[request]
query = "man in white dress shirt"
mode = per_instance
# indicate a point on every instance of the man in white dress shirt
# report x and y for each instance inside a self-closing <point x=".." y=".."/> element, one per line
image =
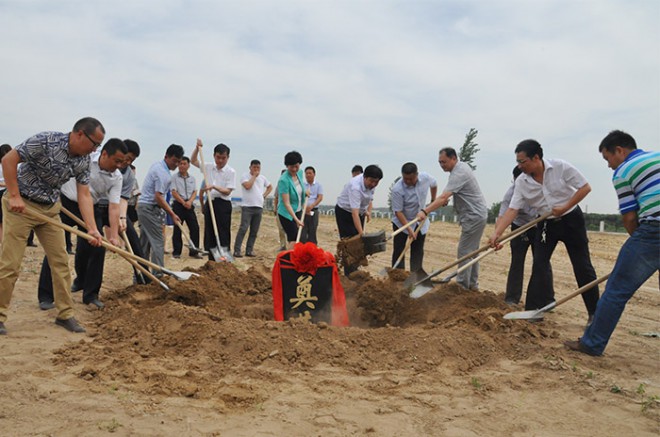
<point x="551" y="185"/>
<point x="221" y="180"/>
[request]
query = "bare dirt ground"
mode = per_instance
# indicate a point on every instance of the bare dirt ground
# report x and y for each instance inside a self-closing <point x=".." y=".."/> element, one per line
<point x="207" y="359"/>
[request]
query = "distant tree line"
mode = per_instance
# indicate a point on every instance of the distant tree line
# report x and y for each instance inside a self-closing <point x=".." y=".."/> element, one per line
<point x="612" y="222"/>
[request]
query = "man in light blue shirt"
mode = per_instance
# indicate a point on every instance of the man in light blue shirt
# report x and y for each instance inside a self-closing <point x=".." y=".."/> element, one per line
<point x="155" y="187"/>
<point x="408" y="197"/>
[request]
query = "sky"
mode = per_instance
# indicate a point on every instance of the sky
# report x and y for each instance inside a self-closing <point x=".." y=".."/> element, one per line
<point x="342" y="82"/>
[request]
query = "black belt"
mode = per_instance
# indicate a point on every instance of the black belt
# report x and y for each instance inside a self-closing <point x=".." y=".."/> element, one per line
<point x="39" y="201"/>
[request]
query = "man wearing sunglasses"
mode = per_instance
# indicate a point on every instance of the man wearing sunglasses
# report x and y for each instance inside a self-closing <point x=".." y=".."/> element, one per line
<point x="49" y="159"/>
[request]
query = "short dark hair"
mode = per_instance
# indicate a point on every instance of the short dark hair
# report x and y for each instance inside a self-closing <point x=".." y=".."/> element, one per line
<point x="255" y="162"/>
<point x="292" y="158"/>
<point x="357" y="168"/>
<point x="4" y="149"/>
<point x="88" y="125"/>
<point x="185" y="158"/>
<point x="449" y="151"/>
<point x="174" y="150"/>
<point x="114" y="145"/>
<point x="409" y="168"/>
<point x="516" y="172"/>
<point x="221" y="149"/>
<point x="373" y="171"/>
<point x="530" y="148"/>
<point x="617" y="138"/>
<point x="133" y="147"/>
<point x="309" y="167"/>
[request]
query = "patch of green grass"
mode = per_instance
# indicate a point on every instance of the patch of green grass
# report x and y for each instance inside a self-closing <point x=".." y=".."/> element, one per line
<point x="475" y="383"/>
<point x="616" y="389"/>
<point x="590" y="375"/>
<point x="649" y="402"/>
<point x="111" y="426"/>
<point x="641" y="389"/>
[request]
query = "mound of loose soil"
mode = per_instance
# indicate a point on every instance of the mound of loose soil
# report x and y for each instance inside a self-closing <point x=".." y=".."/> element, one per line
<point x="220" y="324"/>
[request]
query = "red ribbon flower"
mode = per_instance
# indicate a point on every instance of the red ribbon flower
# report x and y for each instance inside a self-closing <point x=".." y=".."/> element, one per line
<point x="307" y="258"/>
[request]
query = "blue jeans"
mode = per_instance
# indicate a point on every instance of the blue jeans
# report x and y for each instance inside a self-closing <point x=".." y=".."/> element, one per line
<point x="638" y="259"/>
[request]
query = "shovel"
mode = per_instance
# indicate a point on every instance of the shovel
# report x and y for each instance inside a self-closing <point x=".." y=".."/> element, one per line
<point x="375" y="241"/>
<point x="421" y="277"/>
<point x="191" y="245"/>
<point x="141" y="270"/>
<point x="300" y="227"/>
<point x="124" y="237"/>
<point x="409" y="241"/>
<point x="218" y="253"/>
<point x="538" y="314"/>
<point x="178" y="275"/>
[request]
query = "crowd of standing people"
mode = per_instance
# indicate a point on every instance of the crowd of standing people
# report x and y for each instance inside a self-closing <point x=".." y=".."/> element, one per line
<point x="56" y="177"/>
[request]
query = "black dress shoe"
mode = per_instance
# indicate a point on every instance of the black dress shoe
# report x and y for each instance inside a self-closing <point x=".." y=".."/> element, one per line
<point x="100" y="305"/>
<point x="44" y="306"/>
<point x="238" y="255"/>
<point x="176" y="256"/>
<point x="75" y="286"/>
<point x="70" y="325"/>
<point x="250" y="254"/>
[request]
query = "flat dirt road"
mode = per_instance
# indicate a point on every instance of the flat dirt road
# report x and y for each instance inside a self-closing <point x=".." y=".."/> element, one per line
<point x="207" y="358"/>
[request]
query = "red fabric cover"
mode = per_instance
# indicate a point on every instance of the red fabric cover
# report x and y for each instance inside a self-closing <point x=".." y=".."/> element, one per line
<point x="308" y="258"/>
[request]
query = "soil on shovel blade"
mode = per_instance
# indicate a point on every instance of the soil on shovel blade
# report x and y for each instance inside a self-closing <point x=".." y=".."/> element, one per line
<point x="218" y="327"/>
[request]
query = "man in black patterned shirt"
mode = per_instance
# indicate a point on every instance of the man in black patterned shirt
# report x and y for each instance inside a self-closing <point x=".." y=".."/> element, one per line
<point x="48" y="160"/>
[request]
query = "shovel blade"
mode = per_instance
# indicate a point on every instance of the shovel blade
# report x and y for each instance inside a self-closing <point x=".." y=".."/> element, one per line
<point x="415" y="277"/>
<point x="215" y="254"/>
<point x="421" y="289"/>
<point x="183" y="276"/>
<point x="525" y="315"/>
<point x="226" y="254"/>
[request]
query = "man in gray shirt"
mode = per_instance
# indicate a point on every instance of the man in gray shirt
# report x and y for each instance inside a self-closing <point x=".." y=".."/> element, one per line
<point x="470" y="205"/>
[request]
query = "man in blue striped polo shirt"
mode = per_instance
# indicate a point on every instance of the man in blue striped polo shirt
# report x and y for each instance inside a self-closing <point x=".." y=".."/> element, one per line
<point x="637" y="182"/>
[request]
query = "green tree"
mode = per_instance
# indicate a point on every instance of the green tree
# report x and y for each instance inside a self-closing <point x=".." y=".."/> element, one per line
<point x="469" y="149"/>
<point x="493" y="212"/>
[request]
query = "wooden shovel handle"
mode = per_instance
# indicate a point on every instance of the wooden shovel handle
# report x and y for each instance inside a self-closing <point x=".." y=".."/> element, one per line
<point x="405" y="249"/>
<point x="582" y="289"/>
<point x="209" y="199"/>
<point x="134" y="263"/>
<point x="403" y="228"/>
<point x="505" y="238"/>
<point x="88" y="237"/>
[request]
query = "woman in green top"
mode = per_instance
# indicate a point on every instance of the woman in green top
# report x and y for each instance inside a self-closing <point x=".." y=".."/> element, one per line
<point x="291" y="196"/>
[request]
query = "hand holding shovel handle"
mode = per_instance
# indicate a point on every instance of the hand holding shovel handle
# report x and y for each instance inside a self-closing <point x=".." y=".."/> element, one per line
<point x="510" y="236"/>
<point x="110" y="247"/>
<point x="303" y="215"/>
<point x="409" y="241"/>
<point x="215" y="251"/>
<point x="416" y="280"/>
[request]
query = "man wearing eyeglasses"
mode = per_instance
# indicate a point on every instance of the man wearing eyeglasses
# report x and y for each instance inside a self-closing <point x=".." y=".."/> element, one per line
<point x="557" y="186"/>
<point x="48" y="160"/>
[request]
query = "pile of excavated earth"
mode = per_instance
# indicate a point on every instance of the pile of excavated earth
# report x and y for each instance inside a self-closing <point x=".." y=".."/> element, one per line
<point x="219" y="327"/>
